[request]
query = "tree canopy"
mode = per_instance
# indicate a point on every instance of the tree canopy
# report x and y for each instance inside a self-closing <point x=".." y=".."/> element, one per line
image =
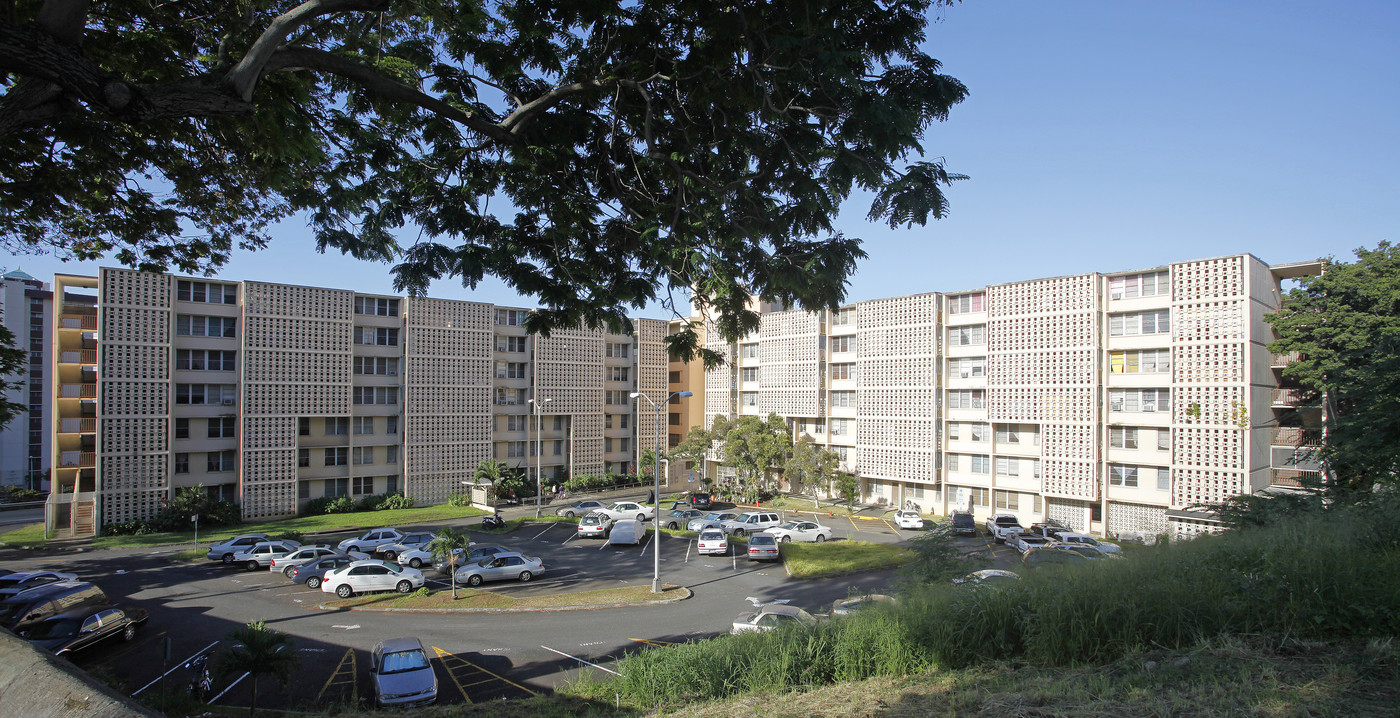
<point x="1345" y="326"/>
<point x="12" y="366"/>
<point x="595" y="155"/>
<point x="753" y="445"/>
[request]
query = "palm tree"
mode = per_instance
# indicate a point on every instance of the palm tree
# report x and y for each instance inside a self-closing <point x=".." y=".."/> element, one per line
<point x="259" y="650"/>
<point x="445" y="544"/>
<point x="489" y="471"/>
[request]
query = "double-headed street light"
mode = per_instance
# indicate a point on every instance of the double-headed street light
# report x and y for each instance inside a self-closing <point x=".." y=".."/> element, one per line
<point x="539" y="453"/>
<point x="656" y="492"/>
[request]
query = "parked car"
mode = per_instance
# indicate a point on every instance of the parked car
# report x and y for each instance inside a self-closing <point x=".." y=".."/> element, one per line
<point x="770" y="617"/>
<point x="472" y="555"/>
<point x="261" y="554"/>
<point x="751" y="522"/>
<point x="1078" y="539"/>
<point x="848" y="606"/>
<point x="710" y="521"/>
<point x="371" y="541"/>
<point x="1001" y="525"/>
<point x="987" y="577"/>
<point x="224" y="550"/>
<point x="700" y="500"/>
<point x="312" y="572"/>
<point x="1042" y="556"/>
<point x="421" y="556"/>
<point x="1047" y="529"/>
<point x="629" y="510"/>
<point x="909" y="520"/>
<point x="48" y="600"/>
<point x="80" y="628"/>
<point x="21" y="581"/>
<point x="627" y="531"/>
<point x="580" y="508"/>
<point x="681" y="517"/>
<point x="809" y="531"/>
<point x="409" y="542"/>
<point x="594" y="525"/>
<point x="763" y="547"/>
<point x="712" y="542"/>
<point x="371" y="575"/>
<point x="305" y="554"/>
<point x="1089" y="552"/>
<point x="964" y="524"/>
<point x="1024" y="542"/>
<point x="401" y="674"/>
<point x="501" y="567"/>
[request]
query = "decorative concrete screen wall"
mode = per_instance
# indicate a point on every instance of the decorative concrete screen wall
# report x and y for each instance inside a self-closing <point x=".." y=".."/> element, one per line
<point x="719" y="380"/>
<point x="651" y="368"/>
<point x="569" y="372"/>
<point x="897" y="400"/>
<point x="789" y="372"/>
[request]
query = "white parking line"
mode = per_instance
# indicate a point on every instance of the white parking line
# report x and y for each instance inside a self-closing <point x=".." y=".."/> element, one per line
<point x="226" y="690"/>
<point x="605" y="544"/>
<point x="580" y="660"/>
<point x="545" y="531"/>
<point x="178" y="665"/>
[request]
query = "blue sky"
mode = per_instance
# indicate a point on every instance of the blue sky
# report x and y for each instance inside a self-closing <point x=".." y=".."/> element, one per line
<point x="1099" y="136"/>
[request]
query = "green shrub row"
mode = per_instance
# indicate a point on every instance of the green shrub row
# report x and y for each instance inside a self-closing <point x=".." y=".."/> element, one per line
<point x="346" y="505"/>
<point x="175" y="516"/>
<point x="1331" y="576"/>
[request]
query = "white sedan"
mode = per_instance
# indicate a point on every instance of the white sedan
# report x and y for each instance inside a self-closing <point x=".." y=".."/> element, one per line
<point x="771" y="617"/>
<point x="363" y="576"/>
<point x="909" y="520"/>
<point x="1075" y="539"/>
<point x="419" y="557"/>
<point x="629" y="510"/>
<point x="809" y="531"/>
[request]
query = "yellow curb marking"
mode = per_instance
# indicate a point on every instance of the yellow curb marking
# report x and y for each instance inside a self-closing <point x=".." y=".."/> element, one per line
<point x="444" y="655"/>
<point x="342" y="675"/>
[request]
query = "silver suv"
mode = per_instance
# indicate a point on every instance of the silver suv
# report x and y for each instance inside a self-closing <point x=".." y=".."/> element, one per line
<point x="751" y="522"/>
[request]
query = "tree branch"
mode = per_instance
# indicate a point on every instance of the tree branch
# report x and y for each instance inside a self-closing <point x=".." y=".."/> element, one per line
<point x="244" y="76"/>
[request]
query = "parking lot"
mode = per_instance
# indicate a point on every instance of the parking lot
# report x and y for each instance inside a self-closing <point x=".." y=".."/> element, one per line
<point x="478" y="656"/>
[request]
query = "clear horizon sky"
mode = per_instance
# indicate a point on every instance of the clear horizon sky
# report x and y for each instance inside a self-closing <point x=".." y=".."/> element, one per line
<point x="1098" y="136"/>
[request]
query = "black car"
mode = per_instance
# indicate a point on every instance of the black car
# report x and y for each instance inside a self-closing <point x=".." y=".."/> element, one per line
<point x="84" y="627"/>
<point x="964" y="524"/>
<point x="51" y="599"/>
<point x="700" y="500"/>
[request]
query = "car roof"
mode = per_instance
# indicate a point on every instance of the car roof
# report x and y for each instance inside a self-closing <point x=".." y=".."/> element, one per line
<point x="47" y="589"/>
<point x="783" y="608"/>
<point x="85" y="611"/>
<point x="406" y="643"/>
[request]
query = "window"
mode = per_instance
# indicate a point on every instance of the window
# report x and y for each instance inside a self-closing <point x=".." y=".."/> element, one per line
<point x="377" y="336"/>
<point x="191" y="291"/>
<point x="559" y="423"/>
<point x="965" y="304"/>
<point x="618" y="349"/>
<point x="749" y="351"/>
<point x="509" y="397"/>
<point x="978" y="432"/>
<point x="362" y="455"/>
<point x="1009" y="434"/>
<point x="516" y="422"/>
<point x="843" y="371"/>
<point x="1164" y="439"/>
<point x="953" y="462"/>
<point x="843" y="454"/>
<point x="967" y="399"/>
<point x="391" y="424"/>
<point x="1123" y="475"/>
<point x="1008" y="500"/>
<point x="1150" y="284"/>
<point x="220" y="461"/>
<point x="617" y="373"/>
<point x="843" y="317"/>
<point x="967" y="367"/>
<point x="1139" y="400"/>
<point x="193" y="394"/>
<point x="843" y="398"/>
<point x="845" y="343"/>
<point x="1154" y="322"/>
<point x="182" y="463"/>
<point x="673" y="419"/>
<point x="510" y="370"/>
<point x="1008" y="467"/>
<point x="337" y="425"/>
<point x="362" y="485"/>
<point x="1123" y="437"/>
<point x="967" y="336"/>
<point x="304" y="426"/>
<point x="748" y="398"/>
<point x="223" y="427"/>
<point x="374" y="395"/>
<point x="1035" y="473"/>
<point x="514" y="345"/>
<point x="188" y="325"/>
<point x="303" y="490"/>
<point x="376" y="366"/>
<point x="182" y="428"/>
<point x="558" y="447"/>
<point x="303" y="458"/>
<point x="608" y="420"/>
<point x="206" y="360"/>
<point x="510" y="317"/>
<point x="1164" y="479"/>
<point x="337" y="487"/>
<point x="516" y="449"/>
<point x="955" y="431"/>
<point x="624" y="444"/>
<point x="377" y="306"/>
<point x="616" y="398"/>
<point x="1147" y="361"/>
<point x="391" y="454"/>
<point x="337" y="456"/>
<point x="750" y="373"/>
<point x="979" y="496"/>
<point x="363" y="425"/>
<point x="840" y="427"/>
<point x="981" y="464"/>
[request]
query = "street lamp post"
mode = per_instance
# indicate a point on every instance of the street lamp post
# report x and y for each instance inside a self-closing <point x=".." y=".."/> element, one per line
<point x="656" y="491"/>
<point x="539" y="454"/>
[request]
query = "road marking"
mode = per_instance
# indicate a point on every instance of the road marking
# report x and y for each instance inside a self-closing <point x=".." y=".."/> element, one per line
<point x="545" y="531"/>
<point x="444" y="655"/>
<point x="580" y="660"/>
<point x="653" y="642"/>
<point x="605" y="544"/>
<point x="178" y="665"/>
<point x="226" y="690"/>
<point x="760" y="603"/>
<point x="340" y="668"/>
<point x="348" y="628"/>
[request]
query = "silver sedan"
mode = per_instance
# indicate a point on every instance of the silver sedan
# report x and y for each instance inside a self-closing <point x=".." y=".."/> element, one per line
<point x="501" y="567"/>
<point x="710" y="521"/>
<point x="809" y="531"/>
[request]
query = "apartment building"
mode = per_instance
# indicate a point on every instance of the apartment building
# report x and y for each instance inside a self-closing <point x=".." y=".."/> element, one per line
<point x="1116" y="403"/>
<point x="25" y="308"/>
<point x="272" y="395"/>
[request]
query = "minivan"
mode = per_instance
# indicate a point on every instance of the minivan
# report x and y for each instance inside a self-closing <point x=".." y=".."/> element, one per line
<point x="45" y="601"/>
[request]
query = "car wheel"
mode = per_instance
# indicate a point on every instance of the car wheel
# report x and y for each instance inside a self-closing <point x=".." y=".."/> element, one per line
<point x="353" y="549"/>
<point x="415" y="563"/>
<point x="344" y="591"/>
<point x="404" y="586"/>
<point x="390" y="555"/>
<point x="641" y="517"/>
<point x="287" y="571"/>
<point x="129" y="632"/>
<point x="228" y="558"/>
<point x="787" y="539"/>
<point x="313" y="582"/>
<point x="526" y="576"/>
<point x="474" y="580"/>
<point x="253" y="566"/>
<point x="672" y="526"/>
<point x="820" y="538"/>
<point x="568" y="514"/>
<point x="738" y="532"/>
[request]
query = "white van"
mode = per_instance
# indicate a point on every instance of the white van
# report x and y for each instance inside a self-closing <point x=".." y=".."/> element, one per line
<point x="626" y="531"/>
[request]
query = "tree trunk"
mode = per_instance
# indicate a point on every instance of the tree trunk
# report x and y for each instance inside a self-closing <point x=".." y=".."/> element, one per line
<point x="253" y="704"/>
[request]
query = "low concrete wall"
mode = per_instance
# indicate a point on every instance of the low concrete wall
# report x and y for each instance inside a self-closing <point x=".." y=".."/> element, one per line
<point x="34" y="683"/>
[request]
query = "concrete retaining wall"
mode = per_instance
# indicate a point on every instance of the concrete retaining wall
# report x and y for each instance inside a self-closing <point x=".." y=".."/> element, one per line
<point x="35" y="684"/>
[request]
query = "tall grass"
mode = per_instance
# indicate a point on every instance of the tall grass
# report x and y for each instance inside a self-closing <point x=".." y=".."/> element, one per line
<point x="1331" y="576"/>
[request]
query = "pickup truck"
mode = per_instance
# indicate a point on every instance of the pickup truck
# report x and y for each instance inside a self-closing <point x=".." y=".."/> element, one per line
<point x="1001" y="525"/>
<point x="1023" y="542"/>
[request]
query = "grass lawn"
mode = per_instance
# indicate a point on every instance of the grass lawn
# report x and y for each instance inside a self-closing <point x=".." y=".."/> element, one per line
<point x="34" y="535"/>
<point x="474" y="598"/>
<point x="832" y="558"/>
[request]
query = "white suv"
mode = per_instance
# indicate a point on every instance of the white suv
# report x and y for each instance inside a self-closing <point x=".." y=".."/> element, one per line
<point x="751" y="522"/>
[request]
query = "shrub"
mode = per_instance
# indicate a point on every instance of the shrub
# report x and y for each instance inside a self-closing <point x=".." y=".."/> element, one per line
<point x="341" y="505"/>
<point x="291" y="536"/>
<point x="395" y="501"/>
<point x="459" y="500"/>
<point x="370" y="503"/>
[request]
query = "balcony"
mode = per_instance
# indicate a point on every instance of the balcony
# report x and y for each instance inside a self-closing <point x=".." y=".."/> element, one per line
<point x="1295" y="477"/>
<point x="77" y="426"/>
<point x="1295" y="436"/>
<point x="77" y="460"/>
<point x="1285" y="398"/>
<point x="1280" y="361"/>
<point x="83" y="356"/>
<point x="77" y="321"/>
<point x="77" y="391"/>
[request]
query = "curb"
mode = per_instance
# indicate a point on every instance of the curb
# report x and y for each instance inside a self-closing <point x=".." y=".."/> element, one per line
<point x="524" y="609"/>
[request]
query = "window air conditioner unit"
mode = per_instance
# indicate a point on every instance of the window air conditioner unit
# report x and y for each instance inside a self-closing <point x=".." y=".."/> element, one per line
<point x="228" y="401"/>
<point x="393" y="372"/>
<point x="1117" y="406"/>
<point x="1149" y="407"/>
<point x="1116" y="295"/>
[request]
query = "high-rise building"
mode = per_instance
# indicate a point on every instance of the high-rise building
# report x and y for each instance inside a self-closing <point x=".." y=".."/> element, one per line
<point x="25" y="306"/>
<point x="272" y="395"/>
<point x="1116" y="403"/>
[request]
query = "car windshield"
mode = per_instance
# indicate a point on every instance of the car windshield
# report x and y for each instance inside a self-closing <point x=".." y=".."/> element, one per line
<point x="714" y="516"/>
<point x="402" y="661"/>
<point x="760" y="540"/>
<point x="790" y="526"/>
<point x="61" y="628"/>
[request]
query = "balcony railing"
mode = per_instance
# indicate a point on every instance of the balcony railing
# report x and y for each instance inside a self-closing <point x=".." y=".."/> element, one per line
<point x="1294" y="477"/>
<point x="1296" y="436"/>
<point x="77" y="459"/>
<point x="84" y="356"/>
<point x="1294" y="397"/>
<point x="77" y="321"/>
<point x="77" y="426"/>
<point x="1283" y="360"/>
<point x="77" y="391"/>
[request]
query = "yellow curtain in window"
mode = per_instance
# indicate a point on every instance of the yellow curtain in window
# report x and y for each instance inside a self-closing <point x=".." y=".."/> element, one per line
<point x="1115" y="362"/>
